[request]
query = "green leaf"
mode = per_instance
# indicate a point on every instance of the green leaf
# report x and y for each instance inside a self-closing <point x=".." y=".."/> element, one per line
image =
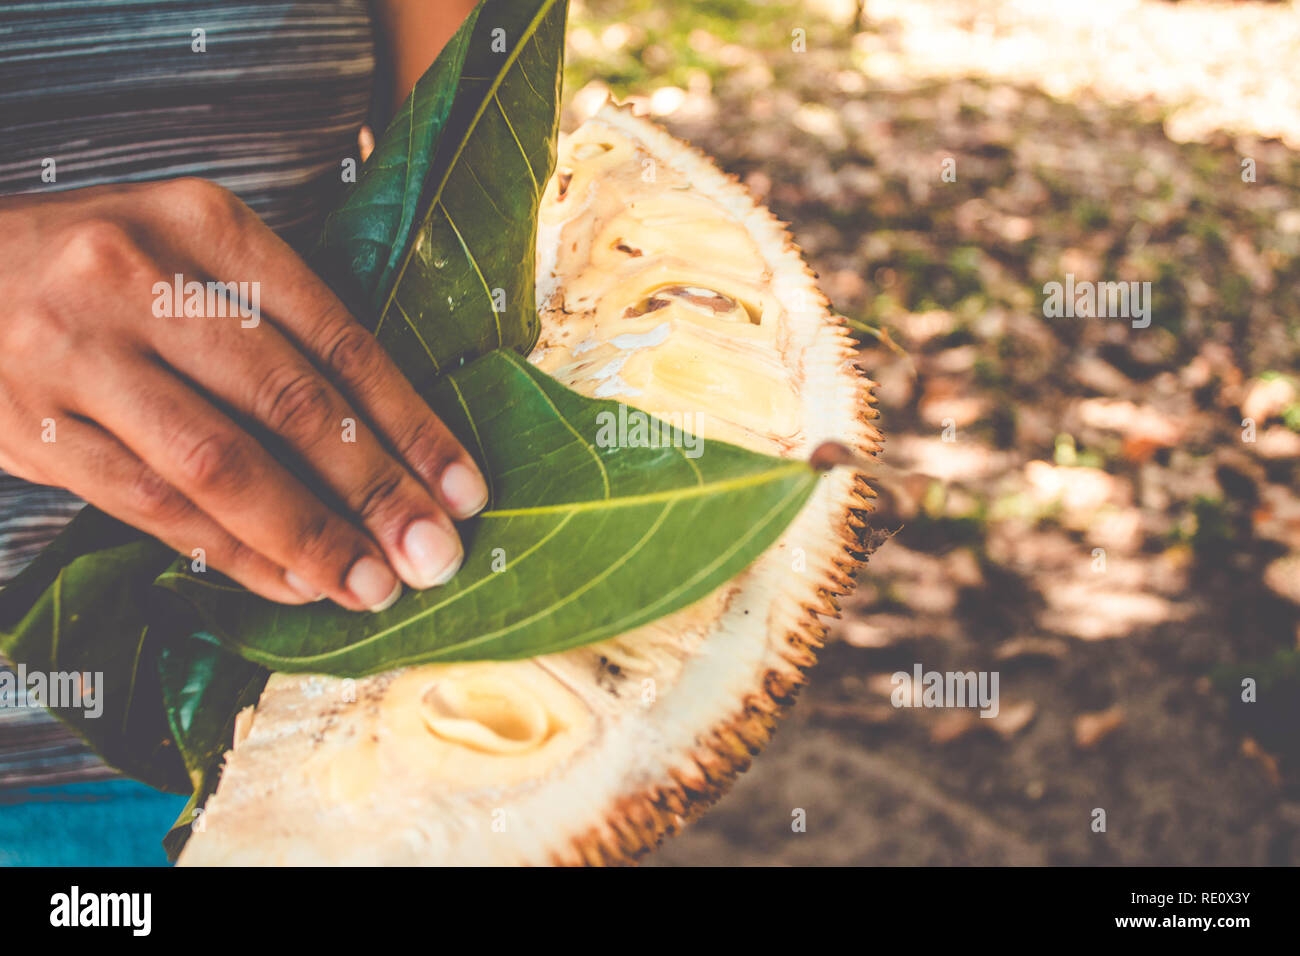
<point x="203" y="688"/>
<point x="200" y="683"/>
<point x="86" y="605"/>
<point x="588" y="539"/>
<point x="363" y="240"/>
<point x="178" y="835"/>
<point x="465" y="285"/>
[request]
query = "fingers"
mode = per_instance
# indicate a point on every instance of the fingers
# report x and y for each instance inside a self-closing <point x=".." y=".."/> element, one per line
<point x="382" y="393"/>
<point x="309" y="314"/>
<point x="227" y="474"/>
<point x="95" y="466"/>
<point x="264" y="377"/>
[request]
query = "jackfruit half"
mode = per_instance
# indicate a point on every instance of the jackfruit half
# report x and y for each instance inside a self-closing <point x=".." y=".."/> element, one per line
<point x="661" y="284"/>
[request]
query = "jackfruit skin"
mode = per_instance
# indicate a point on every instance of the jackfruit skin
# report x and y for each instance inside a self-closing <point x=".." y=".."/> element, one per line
<point x="642" y="819"/>
<point x="304" y="785"/>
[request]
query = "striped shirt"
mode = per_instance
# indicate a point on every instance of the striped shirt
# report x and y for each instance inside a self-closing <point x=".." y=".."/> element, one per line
<point x="265" y="98"/>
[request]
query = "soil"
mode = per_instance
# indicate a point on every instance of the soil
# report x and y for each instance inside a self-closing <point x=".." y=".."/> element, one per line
<point x="1077" y="504"/>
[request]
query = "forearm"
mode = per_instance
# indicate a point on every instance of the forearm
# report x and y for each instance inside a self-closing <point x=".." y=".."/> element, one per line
<point x="411" y="33"/>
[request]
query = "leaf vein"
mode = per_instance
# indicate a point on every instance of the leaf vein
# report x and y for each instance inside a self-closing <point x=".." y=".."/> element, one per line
<point x="135" y="669"/>
<point x="482" y="454"/>
<point x="604" y="473"/>
<point x="482" y="278"/>
<point x="411" y="322"/>
<point x="523" y="154"/>
<point x="524" y="73"/>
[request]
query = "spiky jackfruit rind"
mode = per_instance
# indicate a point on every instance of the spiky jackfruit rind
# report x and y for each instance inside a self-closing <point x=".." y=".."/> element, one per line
<point x="641" y="820"/>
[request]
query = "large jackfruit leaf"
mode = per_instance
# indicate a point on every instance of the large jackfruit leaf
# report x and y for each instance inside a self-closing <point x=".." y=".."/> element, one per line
<point x="465" y="285"/>
<point x="363" y="240"/>
<point x="583" y="539"/>
<point x="86" y="612"/>
<point x="203" y="689"/>
<point x="86" y="606"/>
<point x="199" y="683"/>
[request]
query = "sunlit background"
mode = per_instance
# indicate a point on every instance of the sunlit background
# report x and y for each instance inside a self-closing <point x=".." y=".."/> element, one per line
<point x="1114" y="140"/>
<point x="1106" y="516"/>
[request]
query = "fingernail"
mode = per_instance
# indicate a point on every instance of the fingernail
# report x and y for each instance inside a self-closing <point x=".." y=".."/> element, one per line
<point x="434" y="552"/>
<point x="464" y="489"/>
<point x="373" y="584"/>
<point x="302" y="587"/>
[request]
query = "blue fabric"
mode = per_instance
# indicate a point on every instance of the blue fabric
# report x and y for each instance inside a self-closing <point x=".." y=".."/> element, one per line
<point x="105" y="823"/>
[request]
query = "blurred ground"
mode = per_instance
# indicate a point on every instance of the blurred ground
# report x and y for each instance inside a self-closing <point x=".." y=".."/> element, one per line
<point x="1101" y="528"/>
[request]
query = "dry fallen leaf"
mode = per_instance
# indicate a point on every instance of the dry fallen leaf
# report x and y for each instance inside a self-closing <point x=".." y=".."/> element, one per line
<point x="1010" y="720"/>
<point x="1266" y="760"/>
<point x="953" y="724"/>
<point x="1266" y="398"/>
<point x="1013" y="718"/>
<point x="1282" y="577"/>
<point x="1091" y="729"/>
<point x="865" y="713"/>
<point x="862" y="633"/>
<point x="1021" y="647"/>
<point x="1277" y="443"/>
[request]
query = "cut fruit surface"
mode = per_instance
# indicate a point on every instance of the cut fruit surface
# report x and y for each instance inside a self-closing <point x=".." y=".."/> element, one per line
<point x="662" y="285"/>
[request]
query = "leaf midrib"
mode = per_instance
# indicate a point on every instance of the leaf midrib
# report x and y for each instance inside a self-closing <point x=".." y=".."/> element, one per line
<point x="674" y="495"/>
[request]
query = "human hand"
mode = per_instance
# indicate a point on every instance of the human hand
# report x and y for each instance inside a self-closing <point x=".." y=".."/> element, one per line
<point x="144" y="416"/>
